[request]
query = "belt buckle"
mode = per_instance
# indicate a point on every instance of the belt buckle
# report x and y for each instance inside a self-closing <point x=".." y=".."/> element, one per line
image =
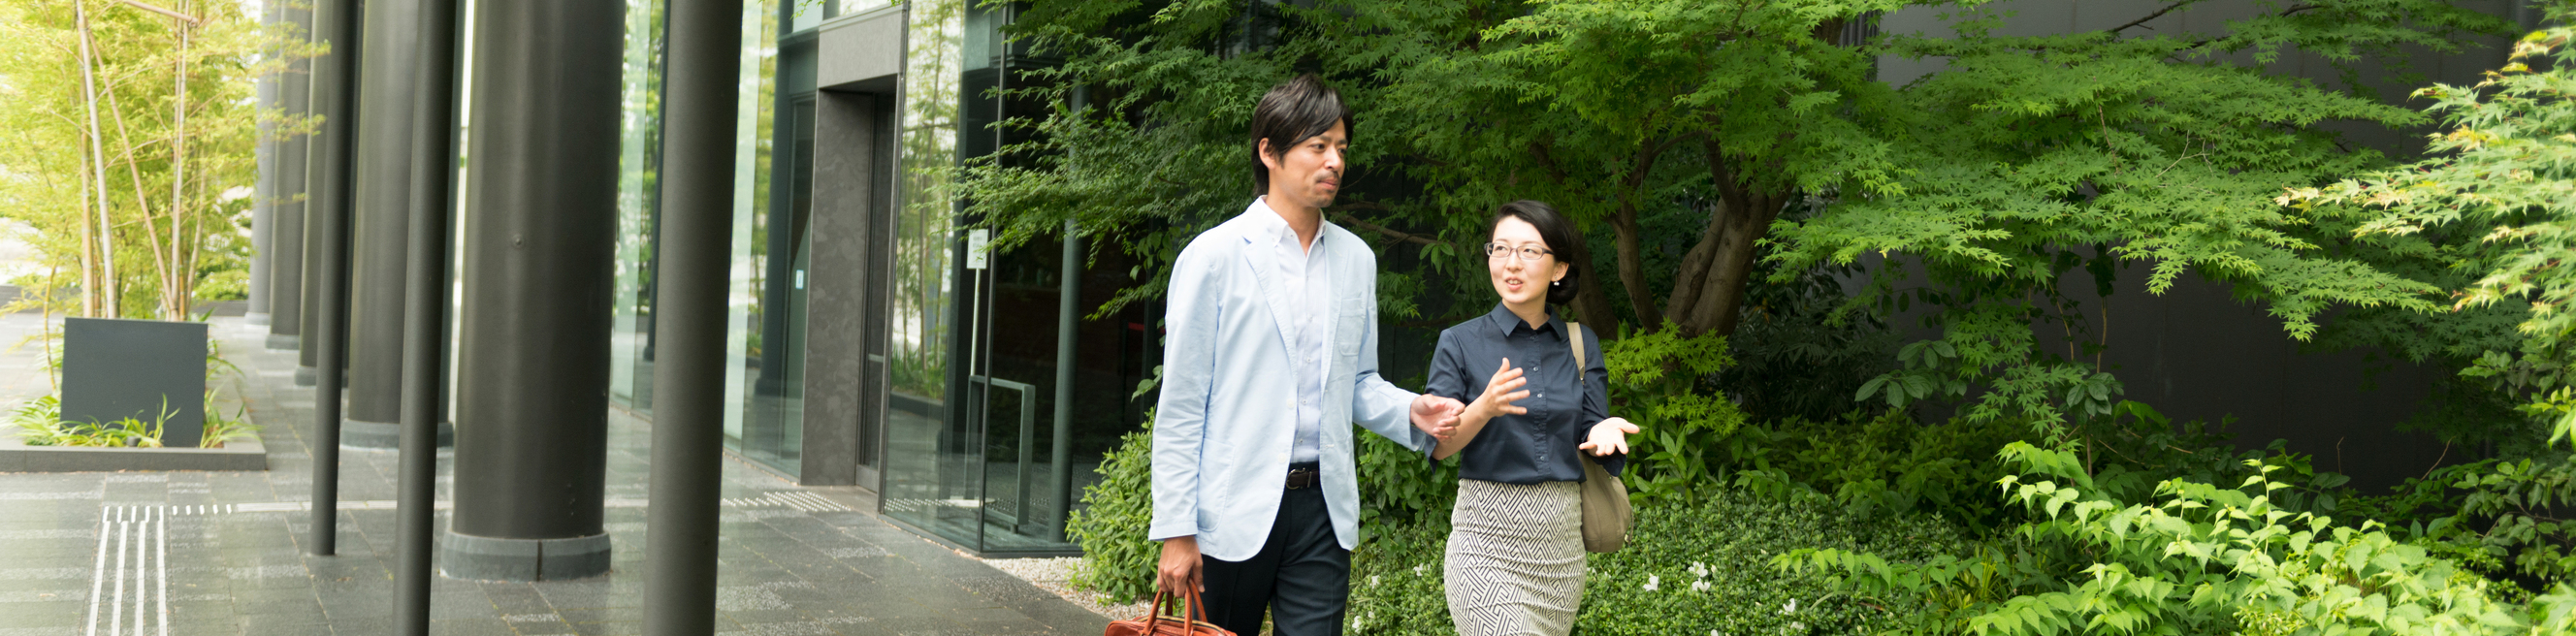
<point x="1301" y="478"/>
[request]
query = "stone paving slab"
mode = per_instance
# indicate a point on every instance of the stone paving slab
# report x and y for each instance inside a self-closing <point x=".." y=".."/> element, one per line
<point x="198" y="553"/>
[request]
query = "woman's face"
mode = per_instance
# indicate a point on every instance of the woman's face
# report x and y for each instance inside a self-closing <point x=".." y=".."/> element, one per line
<point x="1521" y="283"/>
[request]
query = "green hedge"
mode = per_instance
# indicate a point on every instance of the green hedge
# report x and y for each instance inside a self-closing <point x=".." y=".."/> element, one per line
<point x="1117" y="560"/>
<point x="1708" y="563"/>
<point x="1730" y="534"/>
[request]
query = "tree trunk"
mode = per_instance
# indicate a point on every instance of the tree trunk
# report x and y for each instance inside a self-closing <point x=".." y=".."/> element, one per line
<point x="1632" y="268"/>
<point x="1694" y="269"/>
<point x="1592" y="301"/>
<point x="1733" y="246"/>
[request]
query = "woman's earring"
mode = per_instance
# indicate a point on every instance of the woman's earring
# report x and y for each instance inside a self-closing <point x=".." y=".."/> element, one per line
<point x="1556" y="283"/>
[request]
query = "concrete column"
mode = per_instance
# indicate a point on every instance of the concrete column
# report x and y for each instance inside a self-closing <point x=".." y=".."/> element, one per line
<point x="334" y="91"/>
<point x="286" y="237"/>
<point x="381" y="212"/>
<point x="264" y="189"/>
<point x="540" y="225"/>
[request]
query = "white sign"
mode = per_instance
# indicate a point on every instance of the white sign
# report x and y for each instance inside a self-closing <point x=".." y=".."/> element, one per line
<point x="976" y="242"/>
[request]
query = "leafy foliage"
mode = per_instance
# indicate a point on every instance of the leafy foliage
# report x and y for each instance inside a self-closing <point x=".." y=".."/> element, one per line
<point x="2504" y="173"/>
<point x="40" y="423"/>
<point x="2196" y="558"/>
<point x="1691" y="566"/>
<point x="1658" y="380"/>
<point x="176" y="125"/>
<point x="1110" y="526"/>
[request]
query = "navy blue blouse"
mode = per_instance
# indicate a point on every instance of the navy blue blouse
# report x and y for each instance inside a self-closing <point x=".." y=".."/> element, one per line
<point x="1564" y="402"/>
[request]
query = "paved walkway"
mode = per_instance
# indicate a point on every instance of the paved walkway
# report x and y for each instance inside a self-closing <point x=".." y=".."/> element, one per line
<point x="198" y="553"/>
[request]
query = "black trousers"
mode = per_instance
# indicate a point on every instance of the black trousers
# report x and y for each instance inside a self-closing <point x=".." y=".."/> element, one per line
<point x="1302" y="575"/>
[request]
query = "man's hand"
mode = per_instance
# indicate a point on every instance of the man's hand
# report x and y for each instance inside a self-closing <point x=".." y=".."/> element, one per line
<point x="1178" y="572"/>
<point x="1437" y="415"/>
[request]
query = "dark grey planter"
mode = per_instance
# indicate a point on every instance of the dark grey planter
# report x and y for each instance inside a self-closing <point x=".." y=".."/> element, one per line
<point x="115" y="369"/>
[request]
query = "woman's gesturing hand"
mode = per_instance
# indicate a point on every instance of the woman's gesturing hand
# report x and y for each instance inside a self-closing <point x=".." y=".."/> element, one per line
<point x="1501" y="391"/>
<point x="1610" y="437"/>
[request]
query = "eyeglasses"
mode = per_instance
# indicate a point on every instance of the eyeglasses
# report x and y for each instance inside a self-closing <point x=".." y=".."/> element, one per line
<point x="1528" y="254"/>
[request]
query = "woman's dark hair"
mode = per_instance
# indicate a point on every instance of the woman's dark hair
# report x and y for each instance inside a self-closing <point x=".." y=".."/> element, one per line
<point x="1290" y="113"/>
<point x="1561" y="238"/>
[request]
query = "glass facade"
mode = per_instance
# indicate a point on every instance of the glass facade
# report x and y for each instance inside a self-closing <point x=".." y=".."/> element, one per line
<point x="638" y="206"/>
<point x="963" y="420"/>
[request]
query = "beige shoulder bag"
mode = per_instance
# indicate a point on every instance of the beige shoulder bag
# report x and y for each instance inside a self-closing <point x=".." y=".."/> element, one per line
<point x="1605" y="499"/>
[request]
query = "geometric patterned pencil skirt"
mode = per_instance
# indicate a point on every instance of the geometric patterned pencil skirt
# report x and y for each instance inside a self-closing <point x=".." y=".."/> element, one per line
<point x="1515" y="561"/>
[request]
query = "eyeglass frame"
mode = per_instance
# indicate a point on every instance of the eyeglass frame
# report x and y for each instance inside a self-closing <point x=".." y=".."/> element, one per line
<point x="1528" y="254"/>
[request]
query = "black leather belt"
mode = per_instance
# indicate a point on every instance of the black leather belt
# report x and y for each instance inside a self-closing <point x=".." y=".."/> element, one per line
<point x="1302" y="476"/>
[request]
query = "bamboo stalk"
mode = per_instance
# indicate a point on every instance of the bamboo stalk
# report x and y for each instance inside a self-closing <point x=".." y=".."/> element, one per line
<point x="142" y="202"/>
<point x="174" y="304"/>
<point x="104" y="259"/>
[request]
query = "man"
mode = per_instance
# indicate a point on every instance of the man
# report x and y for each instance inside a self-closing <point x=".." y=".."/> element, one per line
<point x="1271" y="350"/>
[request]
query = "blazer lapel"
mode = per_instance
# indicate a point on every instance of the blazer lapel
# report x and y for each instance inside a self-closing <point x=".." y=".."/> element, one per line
<point x="1261" y="254"/>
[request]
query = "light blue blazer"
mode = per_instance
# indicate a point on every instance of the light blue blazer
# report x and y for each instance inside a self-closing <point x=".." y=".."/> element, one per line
<point x="1224" y="423"/>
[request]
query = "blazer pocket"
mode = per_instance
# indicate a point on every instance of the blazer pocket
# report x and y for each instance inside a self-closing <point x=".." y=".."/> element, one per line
<point x="1352" y="326"/>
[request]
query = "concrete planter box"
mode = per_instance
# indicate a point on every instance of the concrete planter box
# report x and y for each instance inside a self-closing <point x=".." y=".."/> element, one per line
<point x="115" y="369"/>
<point x="17" y="457"/>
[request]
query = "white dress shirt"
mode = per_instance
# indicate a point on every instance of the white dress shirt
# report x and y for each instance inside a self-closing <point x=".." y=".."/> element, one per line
<point x="1302" y="271"/>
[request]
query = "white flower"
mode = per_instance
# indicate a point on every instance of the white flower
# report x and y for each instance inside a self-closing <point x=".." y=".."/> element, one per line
<point x="1797" y="626"/>
<point x="1372" y="580"/>
<point x="1699" y="569"/>
<point x="1699" y="586"/>
<point x="1417" y="570"/>
<point x="1790" y="608"/>
<point x="1654" y="582"/>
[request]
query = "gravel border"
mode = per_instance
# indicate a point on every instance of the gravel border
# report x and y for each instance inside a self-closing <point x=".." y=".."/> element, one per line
<point x="1055" y="576"/>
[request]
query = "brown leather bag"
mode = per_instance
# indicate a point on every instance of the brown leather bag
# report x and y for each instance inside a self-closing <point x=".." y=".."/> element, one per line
<point x="1156" y="623"/>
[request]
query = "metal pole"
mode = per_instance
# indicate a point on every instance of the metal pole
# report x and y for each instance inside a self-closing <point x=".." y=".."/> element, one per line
<point x="328" y="222"/>
<point x="704" y="42"/>
<point x="425" y="313"/>
<point x="1068" y="318"/>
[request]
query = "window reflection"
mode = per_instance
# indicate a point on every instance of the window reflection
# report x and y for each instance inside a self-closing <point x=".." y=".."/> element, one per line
<point x="638" y="206"/>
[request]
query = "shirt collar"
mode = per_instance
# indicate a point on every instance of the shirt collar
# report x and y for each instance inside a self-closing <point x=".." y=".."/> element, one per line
<point x="1508" y="322"/>
<point x="1268" y="222"/>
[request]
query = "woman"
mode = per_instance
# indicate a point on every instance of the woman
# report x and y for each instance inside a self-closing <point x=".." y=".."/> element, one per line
<point x="1515" y="558"/>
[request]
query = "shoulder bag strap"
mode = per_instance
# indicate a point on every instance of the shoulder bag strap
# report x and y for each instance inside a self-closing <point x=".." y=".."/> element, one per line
<point x="1574" y="334"/>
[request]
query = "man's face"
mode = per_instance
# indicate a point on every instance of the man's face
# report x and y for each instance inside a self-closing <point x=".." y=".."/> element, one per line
<point x="1310" y="172"/>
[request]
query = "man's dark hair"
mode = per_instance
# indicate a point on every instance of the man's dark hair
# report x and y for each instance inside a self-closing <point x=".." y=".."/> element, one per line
<point x="1290" y="113"/>
<point x="1561" y="238"/>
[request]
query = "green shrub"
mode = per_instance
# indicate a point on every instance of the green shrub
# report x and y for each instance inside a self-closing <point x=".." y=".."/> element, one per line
<point x="1117" y="560"/>
<point x="1691" y="567"/>
<point x="2193" y="558"/>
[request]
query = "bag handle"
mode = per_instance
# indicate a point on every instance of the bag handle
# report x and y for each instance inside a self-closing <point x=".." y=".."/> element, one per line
<point x="1195" y="613"/>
